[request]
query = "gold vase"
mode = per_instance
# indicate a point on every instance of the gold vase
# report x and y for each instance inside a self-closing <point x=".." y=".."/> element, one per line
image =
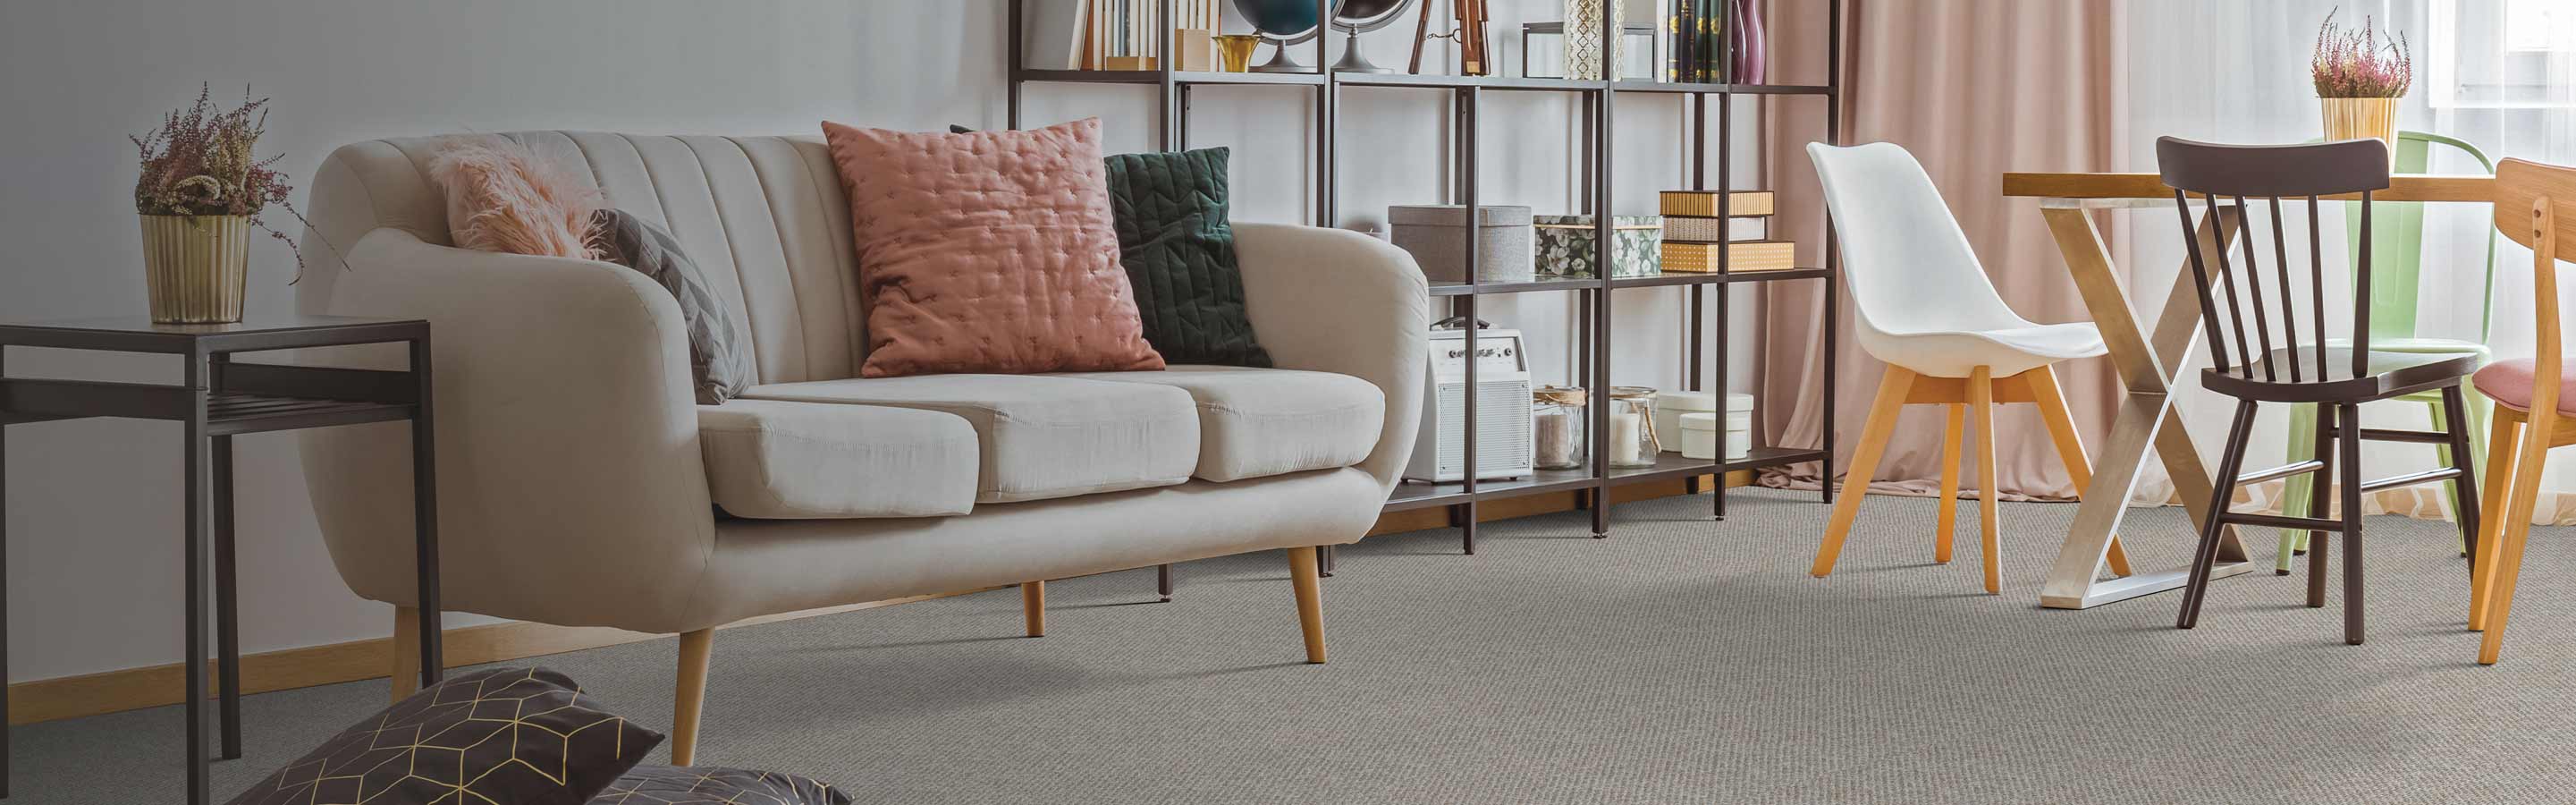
<point x="1236" y="51"/>
<point x="196" y="267"/>
<point x="2355" y="118"/>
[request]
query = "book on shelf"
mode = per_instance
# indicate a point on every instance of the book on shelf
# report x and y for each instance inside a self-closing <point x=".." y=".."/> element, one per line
<point x="1120" y="34"/>
<point x="1711" y="229"/>
<point x="1704" y="202"/>
<point x="1743" y="255"/>
<point x="1694" y="40"/>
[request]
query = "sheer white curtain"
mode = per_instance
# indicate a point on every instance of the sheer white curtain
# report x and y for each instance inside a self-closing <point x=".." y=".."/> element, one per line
<point x="2498" y="74"/>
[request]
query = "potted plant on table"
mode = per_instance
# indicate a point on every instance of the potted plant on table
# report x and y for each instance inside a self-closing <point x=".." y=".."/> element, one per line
<point x="201" y="193"/>
<point x="2359" y="79"/>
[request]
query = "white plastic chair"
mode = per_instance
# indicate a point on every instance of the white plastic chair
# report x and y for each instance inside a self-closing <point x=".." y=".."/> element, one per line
<point x="1926" y="309"/>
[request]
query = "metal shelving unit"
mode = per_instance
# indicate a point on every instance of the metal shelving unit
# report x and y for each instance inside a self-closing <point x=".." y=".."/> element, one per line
<point x="1594" y="330"/>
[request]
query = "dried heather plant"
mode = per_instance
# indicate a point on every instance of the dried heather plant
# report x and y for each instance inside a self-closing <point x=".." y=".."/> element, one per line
<point x="2353" y="63"/>
<point x="201" y="161"/>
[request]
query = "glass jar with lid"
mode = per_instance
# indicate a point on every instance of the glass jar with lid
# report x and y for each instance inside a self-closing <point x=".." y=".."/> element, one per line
<point x="1557" y="422"/>
<point x="1633" y="441"/>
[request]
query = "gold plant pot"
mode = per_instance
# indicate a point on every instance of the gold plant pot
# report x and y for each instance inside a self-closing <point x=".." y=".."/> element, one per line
<point x="2355" y="118"/>
<point x="196" y="267"/>
<point x="1237" y="49"/>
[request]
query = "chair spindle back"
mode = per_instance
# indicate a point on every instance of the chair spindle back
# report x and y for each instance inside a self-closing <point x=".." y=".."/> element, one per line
<point x="2240" y="175"/>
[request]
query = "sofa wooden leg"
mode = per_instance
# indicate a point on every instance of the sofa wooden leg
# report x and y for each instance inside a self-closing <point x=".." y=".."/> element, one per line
<point x="1033" y="605"/>
<point x="1310" y="600"/>
<point x="406" y="652"/>
<point x="691" y="696"/>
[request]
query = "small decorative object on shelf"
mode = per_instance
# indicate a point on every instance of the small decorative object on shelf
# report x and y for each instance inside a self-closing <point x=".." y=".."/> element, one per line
<point x="1355" y="17"/>
<point x="1556" y="414"/>
<point x="1565" y="246"/>
<point x="1702" y="229"/>
<point x="1538" y="39"/>
<point x="1502" y="392"/>
<point x="1742" y="255"/>
<point x="1236" y="51"/>
<point x="1633" y="442"/>
<point x="202" y="190"/>
<point x="1671" y="405"/>
<point x="1581" y="33"/>
<point x="2359" y="79"/>
<point x="1470" y="35"/>
<point x="1431" y="233"/>
<point x="1710" y="434"/>
<point x="1703" y="203"/>
<point x="1285" y="23"/>
<point x="1744" y="43"/>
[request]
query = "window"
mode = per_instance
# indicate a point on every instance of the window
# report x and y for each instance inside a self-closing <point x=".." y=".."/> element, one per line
<point x="2498" y="54"/>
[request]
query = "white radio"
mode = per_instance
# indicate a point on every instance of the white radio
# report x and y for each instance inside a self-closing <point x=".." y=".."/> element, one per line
<point x="1502" y="409"/>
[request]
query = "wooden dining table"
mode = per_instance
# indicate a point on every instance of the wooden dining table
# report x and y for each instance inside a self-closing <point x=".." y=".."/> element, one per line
<point x="2147" y="362"/>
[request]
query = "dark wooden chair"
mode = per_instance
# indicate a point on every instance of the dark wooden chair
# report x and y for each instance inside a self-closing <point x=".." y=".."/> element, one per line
<point x="2270" y="363"/>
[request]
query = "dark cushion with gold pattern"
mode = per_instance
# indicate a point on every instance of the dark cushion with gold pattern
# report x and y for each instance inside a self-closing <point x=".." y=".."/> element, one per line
<point x="524" y="736"/>
<point x="682" y="785"/>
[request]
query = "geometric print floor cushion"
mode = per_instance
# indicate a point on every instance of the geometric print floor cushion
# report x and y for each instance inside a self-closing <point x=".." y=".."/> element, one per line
<point x="670" y="785"/>
<point x="509" y="735"/>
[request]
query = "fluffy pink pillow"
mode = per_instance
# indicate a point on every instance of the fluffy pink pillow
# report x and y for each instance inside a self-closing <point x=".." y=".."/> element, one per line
<point x="988" y="252"/>
<point x="504" y="197"/>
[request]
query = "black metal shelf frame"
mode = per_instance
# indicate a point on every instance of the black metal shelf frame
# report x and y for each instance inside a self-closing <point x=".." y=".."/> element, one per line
<point x="1594" y="328"/>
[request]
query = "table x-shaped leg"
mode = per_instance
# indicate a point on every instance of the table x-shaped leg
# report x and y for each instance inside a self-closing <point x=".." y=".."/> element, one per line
<point x="2146" y="417"/>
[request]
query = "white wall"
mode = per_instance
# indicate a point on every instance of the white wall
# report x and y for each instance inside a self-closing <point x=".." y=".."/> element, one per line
<point x="92" y="510"/>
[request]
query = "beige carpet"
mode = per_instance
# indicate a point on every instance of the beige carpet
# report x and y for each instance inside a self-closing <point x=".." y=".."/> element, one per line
<point x="1679" y="661"/>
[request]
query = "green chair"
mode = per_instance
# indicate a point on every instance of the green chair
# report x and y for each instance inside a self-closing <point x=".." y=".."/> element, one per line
<point x="2397" y="256"/>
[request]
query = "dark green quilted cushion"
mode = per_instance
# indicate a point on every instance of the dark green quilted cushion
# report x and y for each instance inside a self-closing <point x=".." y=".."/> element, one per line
<point x="1178" y="248"/>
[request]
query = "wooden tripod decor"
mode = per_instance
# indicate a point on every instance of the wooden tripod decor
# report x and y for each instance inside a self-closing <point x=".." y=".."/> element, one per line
<point x="1976" y="394"/>
<point x="1470" y="34"/>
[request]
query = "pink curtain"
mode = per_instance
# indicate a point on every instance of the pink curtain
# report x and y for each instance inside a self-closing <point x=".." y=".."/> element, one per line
<point x="1974" y="88"/>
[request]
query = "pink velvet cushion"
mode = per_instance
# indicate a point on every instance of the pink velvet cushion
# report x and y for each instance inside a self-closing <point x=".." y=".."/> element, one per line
<point x="2510" y="383"/>
<point x="988" y="252"/>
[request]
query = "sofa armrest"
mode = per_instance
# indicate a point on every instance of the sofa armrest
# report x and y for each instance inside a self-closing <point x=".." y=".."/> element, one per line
<point x="571" y="487"/>
<point x="1333" y="300"/>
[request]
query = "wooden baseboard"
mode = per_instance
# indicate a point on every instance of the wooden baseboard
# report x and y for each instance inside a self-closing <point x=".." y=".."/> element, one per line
<point x="1438" y="517"/>
<point x="159" y="685"/>
<point x="156" y="686"/>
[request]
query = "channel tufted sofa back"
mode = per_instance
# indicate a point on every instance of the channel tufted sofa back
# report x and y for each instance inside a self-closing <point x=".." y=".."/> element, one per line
<point x="764" y="216"/>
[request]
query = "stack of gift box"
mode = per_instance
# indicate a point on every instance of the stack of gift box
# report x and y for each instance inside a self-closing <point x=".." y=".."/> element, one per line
<point x="1695" y="228"/>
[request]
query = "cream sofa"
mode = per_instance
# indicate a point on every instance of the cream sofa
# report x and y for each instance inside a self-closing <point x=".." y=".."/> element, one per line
<point x="579" y="484"/>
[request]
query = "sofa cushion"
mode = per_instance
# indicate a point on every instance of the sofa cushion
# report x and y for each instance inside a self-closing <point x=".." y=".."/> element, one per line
<point x="1174" y="239"/>
<point x="1041" y="437"/>
<point x="1255" y="423"/>
<point x="988" y="252"/>
<point x="796" y="460"/>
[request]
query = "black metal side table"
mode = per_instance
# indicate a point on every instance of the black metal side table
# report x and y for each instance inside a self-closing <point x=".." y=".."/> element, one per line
<point x="220" y="399"/>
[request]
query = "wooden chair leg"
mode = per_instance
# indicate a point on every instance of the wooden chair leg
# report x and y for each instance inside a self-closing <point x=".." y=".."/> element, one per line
<point x="2070" y="447"/>
<point x="1033" y="606"/>
<point x="2504" y="436"/>
<point x="2533" y="455"/>
<point x="691" y="696"/>
<point x="406" y="652"/>
<point x="1981" y="404"/>
<point x="1952" y="435"/>
<point x="1883" y="410"/>
<point x="2356" y="604"/>
<point x="2298" y="490"/>
<point x="2222" y="490"/>
<point x="2455" y="421"/>
<point x="2443" y="454"/>
<point x="2321" y="438"/>
<point x="1310" y="600"/>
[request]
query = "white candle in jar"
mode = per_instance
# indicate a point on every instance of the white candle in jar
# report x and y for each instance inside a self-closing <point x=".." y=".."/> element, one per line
<point x="1624" y="441"/>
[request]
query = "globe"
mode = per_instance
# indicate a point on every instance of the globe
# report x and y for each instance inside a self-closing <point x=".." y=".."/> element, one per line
<point x="1284" y="20"/>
